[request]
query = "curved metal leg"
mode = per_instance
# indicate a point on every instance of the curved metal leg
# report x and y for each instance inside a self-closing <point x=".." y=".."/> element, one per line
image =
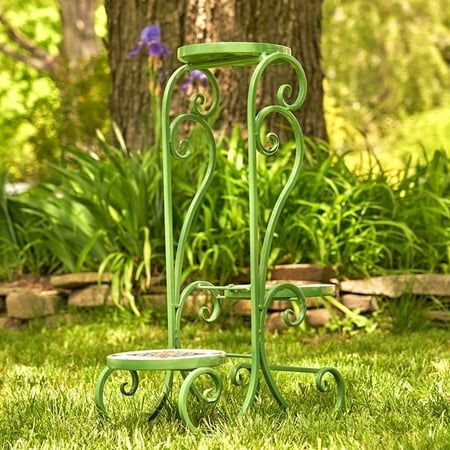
<point x="209" y="395"/>
<point x="292" y="317"/>
<point x="99" y="389"/>
<point x="270" y="380"/>
<point x="168" y="382"/>
<point x="321" y="383"/>
<point x="253" y="387"/>
<point x="99" y="404"/>
<point x="194" y="390"/>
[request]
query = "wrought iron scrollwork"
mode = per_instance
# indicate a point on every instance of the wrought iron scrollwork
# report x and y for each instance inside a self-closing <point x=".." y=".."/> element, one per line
<point x="198" y="100"/>
<point x="100" y="387"/>
<point x="292" y="317"/>
<point x="208" y="314"/>
<point x="285" y="109"/>
<point x="183" y="148"/>
<point x="210" y="395"/>
<point x="134" y="384"/>
<point x="236" y="374"/>
<point x="322" y="385"/>
<point x="259" y="259"/>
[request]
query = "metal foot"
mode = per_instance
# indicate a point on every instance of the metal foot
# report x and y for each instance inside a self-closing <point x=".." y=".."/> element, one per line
<point x="99" y="404"/>
<point x="163" y="397"/>
<point x="321" y="383"/>
<point x="322" y="386"/>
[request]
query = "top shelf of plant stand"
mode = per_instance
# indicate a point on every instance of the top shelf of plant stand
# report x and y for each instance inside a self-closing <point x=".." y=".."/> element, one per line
<point x="220" y="54"/>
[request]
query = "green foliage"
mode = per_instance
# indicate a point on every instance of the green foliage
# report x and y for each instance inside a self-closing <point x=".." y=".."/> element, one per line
<point x="21" y="237"/>
<point x="384" y="61"/>
<point x="361" y="222"/>
<point x="37" y="112"/>
<point x="106" y="211"/>
<point x="408" y="313"/>
<point x="98" y="213"/>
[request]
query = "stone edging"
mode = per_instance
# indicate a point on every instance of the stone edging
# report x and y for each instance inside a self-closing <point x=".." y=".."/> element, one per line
<point x="83" y="291"/>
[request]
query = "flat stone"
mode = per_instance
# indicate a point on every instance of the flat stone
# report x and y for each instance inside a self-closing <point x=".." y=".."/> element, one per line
<point x="6" y="289"/>
<point x="275" y="323"/>
<point x="242" y="308"/>
<point x="195" y="301"/>
<point x="90" y="296"/>
<point x="312" y="272"/>
<point x="317" y="317"/>
<point x="28" y="282"/>
<point x="281" y="305"/>
<point x="363" y="303"/>
<point x="438" y="316"/>
<point x="25" y="304"/>
<point x="78" y="280"/>
<point x="51" y="293"/>
<point x="394" y="286"/>
<point x="10" y="323"/>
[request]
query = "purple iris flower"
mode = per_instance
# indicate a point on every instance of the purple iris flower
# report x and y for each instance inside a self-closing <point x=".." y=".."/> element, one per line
<point x="195" y="77"/>
<point x="151" y="39"/>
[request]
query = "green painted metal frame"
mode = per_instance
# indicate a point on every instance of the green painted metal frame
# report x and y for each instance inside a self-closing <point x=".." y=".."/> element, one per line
<point x="203" y="57"/>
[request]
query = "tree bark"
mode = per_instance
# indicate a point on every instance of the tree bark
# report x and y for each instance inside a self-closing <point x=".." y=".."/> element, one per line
<point x="79" y="41"/>
<point x="130" y="103"/>
<point x="130" y="98"/>
<point x="296" y="24"/>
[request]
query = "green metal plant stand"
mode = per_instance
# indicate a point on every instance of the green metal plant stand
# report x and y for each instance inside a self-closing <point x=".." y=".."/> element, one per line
<point x="193" y="364"/>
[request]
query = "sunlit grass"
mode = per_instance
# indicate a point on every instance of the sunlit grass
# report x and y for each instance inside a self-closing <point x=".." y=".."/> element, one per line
<point x="398" y="390"/>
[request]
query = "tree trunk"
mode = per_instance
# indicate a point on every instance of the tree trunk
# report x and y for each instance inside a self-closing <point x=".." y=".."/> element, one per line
<point x="292" y="23"/>
<point x="130" y="102"/>
<point x="130" y="99"/>
<point x="79" y="41"/>
<point x="296" y="24"/>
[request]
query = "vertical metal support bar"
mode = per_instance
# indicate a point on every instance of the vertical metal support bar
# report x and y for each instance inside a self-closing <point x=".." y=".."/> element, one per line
<point x="255" y="289"/>
<point x="258" y="267"/>
<point x="172" y="294"/>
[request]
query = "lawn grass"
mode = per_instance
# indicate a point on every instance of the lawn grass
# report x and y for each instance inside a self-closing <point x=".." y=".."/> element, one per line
<point x="398" y="390"/>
